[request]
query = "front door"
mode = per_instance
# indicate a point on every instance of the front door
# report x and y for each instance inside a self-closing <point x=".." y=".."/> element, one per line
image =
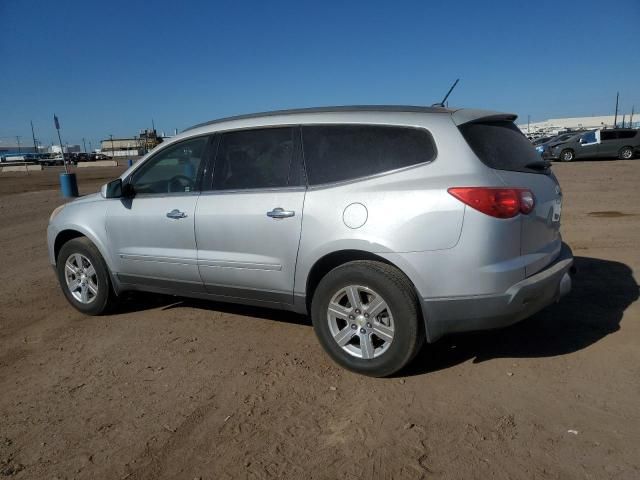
<point x="248" y="224"/>
<point x="152" y="233"/>
<point x="589" y="144"/>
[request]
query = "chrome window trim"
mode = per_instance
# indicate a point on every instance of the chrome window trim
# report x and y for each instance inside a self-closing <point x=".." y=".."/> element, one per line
<point x="297" y="188"/>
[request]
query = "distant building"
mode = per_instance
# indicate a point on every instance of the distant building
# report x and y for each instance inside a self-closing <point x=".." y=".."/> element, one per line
<point x="131" y="147"/>
<point x="67" y="149"/>
<point x="15" y="148"/>
<point x="553" y="126"/>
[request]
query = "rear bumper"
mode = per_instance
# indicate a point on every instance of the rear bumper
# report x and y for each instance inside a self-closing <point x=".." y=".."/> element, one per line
<point x="463" y="314"/>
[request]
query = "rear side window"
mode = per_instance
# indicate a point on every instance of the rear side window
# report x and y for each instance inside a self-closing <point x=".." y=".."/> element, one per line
<point x="336" y="153"/>
<point x="627" y="133"/>
<point x="500" y="145"/>
<point x="607" y="135"/>
<point x="254" y="159"/>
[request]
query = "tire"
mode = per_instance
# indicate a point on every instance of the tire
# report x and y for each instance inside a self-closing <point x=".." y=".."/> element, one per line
<point x="567" y="155"/>
<point x="395" y="334"/>
<point x="93" y="294"/>
<point x="625" y="153"/>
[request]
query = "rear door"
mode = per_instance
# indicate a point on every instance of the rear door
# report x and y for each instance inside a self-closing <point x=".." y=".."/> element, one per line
<point x="500" y="145"/>
<point x="249" y="221"/>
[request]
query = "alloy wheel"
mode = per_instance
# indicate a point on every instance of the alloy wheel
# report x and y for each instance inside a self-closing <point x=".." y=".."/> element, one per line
<point x="81" y="278"/>
<point x="360" y="322"/>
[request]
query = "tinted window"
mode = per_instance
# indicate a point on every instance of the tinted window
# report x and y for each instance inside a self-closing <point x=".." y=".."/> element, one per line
<point x="589" y="137"/>
<point x="500" y="145"/>
<point x="173" y="169"/>
<point x="343" y="152"/>
<point x="254" y="159"/>
<point x="627" y="133"/>
<point x="607" y="135"/>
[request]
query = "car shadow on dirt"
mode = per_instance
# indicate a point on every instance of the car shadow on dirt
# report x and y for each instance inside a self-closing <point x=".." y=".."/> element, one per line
<point x="140" y="301"/>
<point x="602" y="290"/>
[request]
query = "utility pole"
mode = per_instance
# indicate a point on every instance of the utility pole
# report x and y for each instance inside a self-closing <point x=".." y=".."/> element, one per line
<point x="90" y="147"/>
<point x="615" y="118"/>
<point x="528" y="122"/>
<point x="18" y="140"/>
<point x="112" y="148"/>
<point x="84" y="145"/>
<point x="35" y="145"/>
<point x="631" y="117"/>
<point x="64" y="161"/>
<point x="623" y="119"/>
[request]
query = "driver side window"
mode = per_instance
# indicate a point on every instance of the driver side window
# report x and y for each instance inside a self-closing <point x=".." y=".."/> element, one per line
<point x="173" y="170"/>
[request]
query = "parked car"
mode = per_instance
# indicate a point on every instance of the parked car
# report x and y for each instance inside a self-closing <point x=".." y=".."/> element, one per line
<point x="619" y="143"/>
<point x="540" y="140"/>
<point x="389" y="225"/>
<point x="556" y="140"/>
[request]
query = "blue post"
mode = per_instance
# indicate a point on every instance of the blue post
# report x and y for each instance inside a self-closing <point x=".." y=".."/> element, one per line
<point x="130" y="162"/>
<point x="68" y="185"/>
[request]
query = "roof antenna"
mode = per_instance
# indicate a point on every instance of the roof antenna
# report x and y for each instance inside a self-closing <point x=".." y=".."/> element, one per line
<point x="441" y="104"/>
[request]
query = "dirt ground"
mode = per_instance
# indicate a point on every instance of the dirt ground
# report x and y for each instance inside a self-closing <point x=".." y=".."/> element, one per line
<point x="175" y="388"/>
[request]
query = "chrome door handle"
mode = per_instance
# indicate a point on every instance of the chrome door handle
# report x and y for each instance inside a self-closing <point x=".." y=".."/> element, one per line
<point x="280" y="213"/>
<point x="175" y="213"/>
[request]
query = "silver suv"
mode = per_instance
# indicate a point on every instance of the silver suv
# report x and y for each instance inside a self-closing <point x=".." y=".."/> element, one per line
<point x="389" y="225"/>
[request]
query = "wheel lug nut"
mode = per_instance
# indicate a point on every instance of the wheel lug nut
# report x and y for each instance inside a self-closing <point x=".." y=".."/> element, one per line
<point x="351" y="317"/>
<point x="357" y="311"/>
<point x="368" y="325"/>
<point x="366" y="315"/>
<point x="362" y="330"/>
<point x="353" y="325"/>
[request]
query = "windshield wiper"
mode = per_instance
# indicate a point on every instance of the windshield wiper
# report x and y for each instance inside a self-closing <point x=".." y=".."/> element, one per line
<point x="538" y="165"/>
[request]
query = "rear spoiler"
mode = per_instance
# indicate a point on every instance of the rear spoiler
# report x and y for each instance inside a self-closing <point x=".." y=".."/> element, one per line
<point x="468" y="115"/>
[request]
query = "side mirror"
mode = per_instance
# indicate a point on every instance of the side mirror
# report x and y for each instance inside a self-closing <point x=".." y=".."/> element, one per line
<point x="127" y="190"/>
<point x="112" y="189"/>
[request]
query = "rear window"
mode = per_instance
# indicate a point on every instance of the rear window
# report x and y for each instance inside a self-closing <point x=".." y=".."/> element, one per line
<point x="335" y="153"/>
<point x="500" y="145"/>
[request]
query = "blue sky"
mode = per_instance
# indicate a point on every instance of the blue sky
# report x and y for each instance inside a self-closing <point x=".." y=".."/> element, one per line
<point x="109" y="67"/>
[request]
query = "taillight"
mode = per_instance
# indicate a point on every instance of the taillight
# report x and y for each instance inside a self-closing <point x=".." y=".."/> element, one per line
<point x="496" y="202"/>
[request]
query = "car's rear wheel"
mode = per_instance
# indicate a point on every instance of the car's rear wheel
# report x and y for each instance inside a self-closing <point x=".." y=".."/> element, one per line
<point x="625" y="153"/>
<point x="567" y="155"/>
<point x="84" y="277"/>
<point x="366" y="317"/>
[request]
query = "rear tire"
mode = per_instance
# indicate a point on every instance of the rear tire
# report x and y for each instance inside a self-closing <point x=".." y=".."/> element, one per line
<point x="567" y="155"/>
<point x="625" y="153"/>
<point x="84" y="277"/>
<point x="374" y="326"/>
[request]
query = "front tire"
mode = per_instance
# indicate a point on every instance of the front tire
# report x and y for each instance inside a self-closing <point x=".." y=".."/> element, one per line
<point x="626" y="153"/>
<point x="567" y="155"/>
<point x="84" y="277"/>
<point x="366" y="317"/>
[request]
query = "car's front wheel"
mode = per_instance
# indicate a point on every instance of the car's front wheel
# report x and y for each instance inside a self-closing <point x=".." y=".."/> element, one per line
<point x="366" y="316"/>
<point x="567" y="155"/>
<point x="84" y="277"/>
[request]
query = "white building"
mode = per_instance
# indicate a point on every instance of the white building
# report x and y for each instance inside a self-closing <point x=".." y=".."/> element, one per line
<point x="553" y="126"/>
<point x="67" y="149"/>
